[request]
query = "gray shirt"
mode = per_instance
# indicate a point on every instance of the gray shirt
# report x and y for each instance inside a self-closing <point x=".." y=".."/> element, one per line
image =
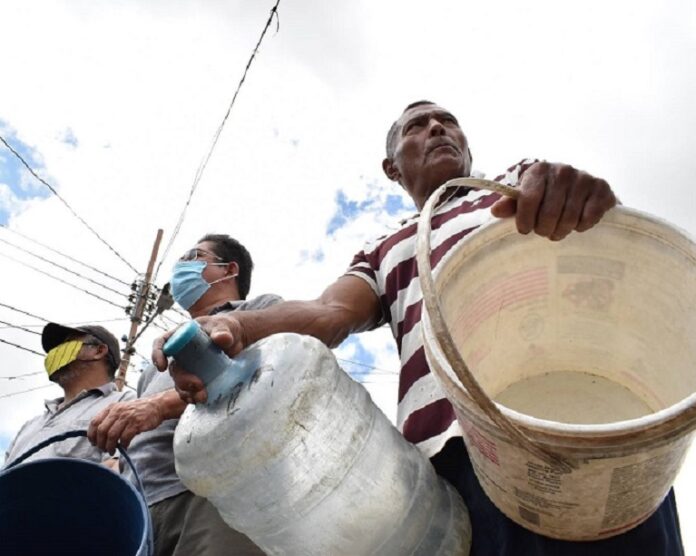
<point x="57" y="419"/>
<point x="152" y="452"/>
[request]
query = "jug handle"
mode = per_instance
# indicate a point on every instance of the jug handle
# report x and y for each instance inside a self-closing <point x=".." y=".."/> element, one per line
<point x="122" y="451"/>
<point x="442" y="333"/>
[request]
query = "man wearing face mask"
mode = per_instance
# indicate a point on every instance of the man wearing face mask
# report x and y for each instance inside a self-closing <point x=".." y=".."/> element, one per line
<point x="213" y="277"/>
<point x="83" y="362"/>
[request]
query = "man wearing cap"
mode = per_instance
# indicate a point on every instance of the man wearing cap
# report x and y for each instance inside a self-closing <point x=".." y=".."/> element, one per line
<point x="83" y="362"/>
<point x="212" y="277"/>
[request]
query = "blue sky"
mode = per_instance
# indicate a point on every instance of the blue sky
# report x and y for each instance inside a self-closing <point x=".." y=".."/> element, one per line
<point x="16" y="184"/>
<point x="348" y="209"/>
<point x="307" y="132"/>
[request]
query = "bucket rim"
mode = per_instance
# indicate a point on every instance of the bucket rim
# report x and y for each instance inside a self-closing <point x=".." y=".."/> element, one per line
<point x="677" y="419"/>
<point x="143" y="547"/>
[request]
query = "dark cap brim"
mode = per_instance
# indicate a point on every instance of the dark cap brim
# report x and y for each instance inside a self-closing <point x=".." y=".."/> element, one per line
<point x="55" y="334"/>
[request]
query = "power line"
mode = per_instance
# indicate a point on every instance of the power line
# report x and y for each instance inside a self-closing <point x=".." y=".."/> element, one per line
<point x="206" y="158"/>
<point x="21" y="347"/>
<point x="61" y="280"/>
<point x="181" y="313"/>
<point x="32" y="315"/>
<point x="63" y="268"/>
<point x="22" y="375"/>
<point x="366" y="365"/>
<point x="52" y="189"/>
<point x="67" y="323"/>
<point x="20" y="234"/>
<point x="25" y="391"/>
<point x="20" y="327"/>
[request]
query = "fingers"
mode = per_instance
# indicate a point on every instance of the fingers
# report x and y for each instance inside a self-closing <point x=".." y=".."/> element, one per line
<point x="595" y="207"/>
<point x="189" y="387"/>
<point x="225" y="331"/>
<point x="533" y="187"/>
<point x="556" y="199"/>
<point x="158" y="357"/>
<point x="504" y="207"/>
<point x="105" y="429"/>
<point x="94" y="424"/>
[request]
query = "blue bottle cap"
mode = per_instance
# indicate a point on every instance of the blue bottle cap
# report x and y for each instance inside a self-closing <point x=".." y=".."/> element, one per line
<point x="183" y="335"/>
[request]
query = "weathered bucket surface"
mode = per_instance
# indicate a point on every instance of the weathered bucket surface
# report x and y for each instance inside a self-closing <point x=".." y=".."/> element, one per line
<point x="587" y="345"/>
<point x="64" y="506"/>
<point x="299" y="458"/>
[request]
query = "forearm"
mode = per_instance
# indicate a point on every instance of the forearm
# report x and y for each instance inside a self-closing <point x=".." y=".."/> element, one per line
<point x="169" y="404"/>
<point x="329" y="323"/>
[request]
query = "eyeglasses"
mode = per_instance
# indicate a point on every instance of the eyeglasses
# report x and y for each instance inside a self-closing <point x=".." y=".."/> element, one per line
<point x="195" y="254"/>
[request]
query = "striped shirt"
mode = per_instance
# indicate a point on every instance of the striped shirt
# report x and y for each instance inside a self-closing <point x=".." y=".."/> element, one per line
<point x="388" y="264"/>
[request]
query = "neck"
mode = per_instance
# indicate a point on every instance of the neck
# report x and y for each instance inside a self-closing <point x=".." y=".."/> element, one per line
<point x="87" y="379"/>
<point x="210" y="300"/>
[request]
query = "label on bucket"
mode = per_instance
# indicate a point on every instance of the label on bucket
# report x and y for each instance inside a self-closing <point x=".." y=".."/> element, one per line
<point x="601" y="498"/>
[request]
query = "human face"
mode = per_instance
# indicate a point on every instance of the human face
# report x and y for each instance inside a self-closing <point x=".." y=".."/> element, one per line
<point x="430" y="148"/>
<point x="216" y="267"/>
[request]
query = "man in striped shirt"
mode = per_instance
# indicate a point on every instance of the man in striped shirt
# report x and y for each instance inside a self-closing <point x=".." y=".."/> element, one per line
<point x="425" y="148"/>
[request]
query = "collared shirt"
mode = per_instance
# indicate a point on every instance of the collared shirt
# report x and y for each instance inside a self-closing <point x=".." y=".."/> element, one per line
<point x="388" y="264"/>
<point x="152" y="452"/>
<point x="59" y="418"/>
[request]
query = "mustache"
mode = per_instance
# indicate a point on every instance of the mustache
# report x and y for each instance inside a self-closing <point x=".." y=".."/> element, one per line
<point x="442" y="143"/>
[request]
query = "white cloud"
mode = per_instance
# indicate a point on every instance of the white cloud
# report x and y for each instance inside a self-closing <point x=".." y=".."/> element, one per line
<point x="143" y="86"/>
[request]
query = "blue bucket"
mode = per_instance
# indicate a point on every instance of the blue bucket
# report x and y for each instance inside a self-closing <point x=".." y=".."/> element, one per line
<point x="61" y="506"/>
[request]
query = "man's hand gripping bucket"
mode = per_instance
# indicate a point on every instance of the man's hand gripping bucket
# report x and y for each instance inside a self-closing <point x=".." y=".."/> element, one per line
<point x="519" y="308"/>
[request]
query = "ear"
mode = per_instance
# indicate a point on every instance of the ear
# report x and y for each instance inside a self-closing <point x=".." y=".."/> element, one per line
<point x="390" y="169"/>
<point x="102" y="352"/>
<point x="233" y="268"/>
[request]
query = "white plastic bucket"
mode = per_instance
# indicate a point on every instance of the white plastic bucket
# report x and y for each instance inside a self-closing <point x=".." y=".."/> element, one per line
<point x="592" y="340"/>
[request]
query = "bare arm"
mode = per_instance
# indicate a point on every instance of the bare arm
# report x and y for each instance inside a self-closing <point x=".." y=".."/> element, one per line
<point x="346" y="306"/>
<point x="122" y="421"/>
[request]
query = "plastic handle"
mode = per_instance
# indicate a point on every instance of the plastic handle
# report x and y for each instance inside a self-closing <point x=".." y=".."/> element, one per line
<point x="193" y="349"/>
<point x="442" y="334"/>
<point x="122" y="451"/>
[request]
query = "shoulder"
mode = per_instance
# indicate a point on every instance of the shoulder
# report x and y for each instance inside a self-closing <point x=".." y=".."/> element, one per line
<point x="260" y="302"/>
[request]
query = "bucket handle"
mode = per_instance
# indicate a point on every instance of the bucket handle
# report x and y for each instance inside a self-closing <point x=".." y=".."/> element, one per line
<point x="443" y="336"/>
<point x="122" y="451"/>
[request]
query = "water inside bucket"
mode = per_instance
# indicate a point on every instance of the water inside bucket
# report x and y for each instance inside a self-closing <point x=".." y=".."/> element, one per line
<point x="573" y="397"/>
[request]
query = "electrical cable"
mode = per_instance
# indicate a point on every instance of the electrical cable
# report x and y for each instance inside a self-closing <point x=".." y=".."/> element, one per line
<point x="61" y="280"/>
<point x="52" y="189"/>
<point x="68" y="323"/>
<point x="20" y="327"/>
<point x="23" y="375"/>
<point x="63" y="268"/>
<point x="21" y="347"/>
<point x="25" y="391"/>
<point x="32" y="315"/>
<point x="216" y="136"/>
<point x="20" y="234"/>
<point x="366" y="365"/>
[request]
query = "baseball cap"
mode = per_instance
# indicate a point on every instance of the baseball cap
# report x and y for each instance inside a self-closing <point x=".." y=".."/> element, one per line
<point x="55" y="334"/>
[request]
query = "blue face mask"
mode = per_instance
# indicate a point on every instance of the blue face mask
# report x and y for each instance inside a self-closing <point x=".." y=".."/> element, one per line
<point x="187" y="283"/>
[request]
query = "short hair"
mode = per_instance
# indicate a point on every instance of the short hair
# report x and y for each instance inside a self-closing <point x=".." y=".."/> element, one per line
<point x="391" y="134"/>
<point x="230" y="250"/>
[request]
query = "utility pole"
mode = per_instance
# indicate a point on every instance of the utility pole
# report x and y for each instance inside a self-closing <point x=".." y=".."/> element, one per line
<point x="142" y="291"/>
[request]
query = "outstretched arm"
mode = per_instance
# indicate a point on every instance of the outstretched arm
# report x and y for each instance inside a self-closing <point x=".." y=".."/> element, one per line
<point x="349" y="305"/>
